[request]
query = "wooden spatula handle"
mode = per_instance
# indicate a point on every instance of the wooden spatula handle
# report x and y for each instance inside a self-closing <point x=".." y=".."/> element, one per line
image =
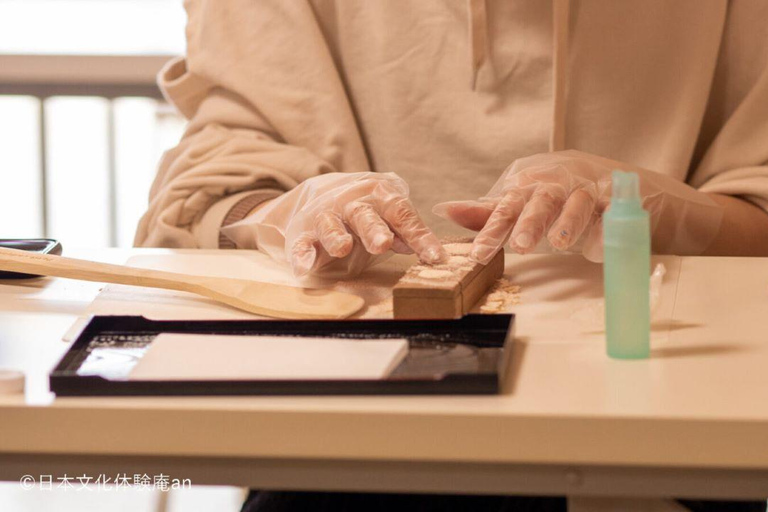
<point x="16" y="260"/>
<point x="265" y="299"/>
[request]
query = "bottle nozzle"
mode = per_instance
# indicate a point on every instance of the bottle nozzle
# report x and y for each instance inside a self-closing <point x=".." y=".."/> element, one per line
<point x="625" y="185"/>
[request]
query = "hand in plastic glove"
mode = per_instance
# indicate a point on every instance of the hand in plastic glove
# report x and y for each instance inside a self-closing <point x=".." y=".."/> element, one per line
<point x="337" y="224"/>
<point x="562" y="195"/>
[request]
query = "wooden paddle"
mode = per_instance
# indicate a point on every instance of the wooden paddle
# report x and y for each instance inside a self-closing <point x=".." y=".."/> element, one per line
<point x="265" y="299"/>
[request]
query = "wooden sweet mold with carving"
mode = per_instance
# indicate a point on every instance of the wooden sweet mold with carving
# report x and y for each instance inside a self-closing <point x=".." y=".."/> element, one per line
<point x="448" y="290"/>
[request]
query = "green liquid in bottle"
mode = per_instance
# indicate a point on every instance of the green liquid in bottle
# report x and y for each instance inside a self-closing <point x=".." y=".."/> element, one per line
<point x="627" y="264"/>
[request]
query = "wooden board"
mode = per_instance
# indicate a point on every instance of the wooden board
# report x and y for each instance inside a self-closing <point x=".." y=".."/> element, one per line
<point x="445" y="291"/>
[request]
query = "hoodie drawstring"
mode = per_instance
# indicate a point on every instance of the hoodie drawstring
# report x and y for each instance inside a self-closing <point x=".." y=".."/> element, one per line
<point x="478" y="36"/>
<point x="560" y="19"/>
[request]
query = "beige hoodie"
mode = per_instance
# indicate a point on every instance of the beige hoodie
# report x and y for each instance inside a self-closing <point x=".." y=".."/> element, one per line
<point x="447" y="93"/>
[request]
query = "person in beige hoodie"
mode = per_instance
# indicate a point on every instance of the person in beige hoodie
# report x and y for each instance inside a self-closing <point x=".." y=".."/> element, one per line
<point x="325" y="132"/>
<point x="446" y="95"/>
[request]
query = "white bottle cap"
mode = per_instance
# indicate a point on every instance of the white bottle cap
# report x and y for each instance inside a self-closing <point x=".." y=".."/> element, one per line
<point x="11" y="382"/>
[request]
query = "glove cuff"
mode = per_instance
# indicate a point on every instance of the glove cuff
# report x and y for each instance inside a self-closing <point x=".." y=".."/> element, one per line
<point x="239" y="211"/>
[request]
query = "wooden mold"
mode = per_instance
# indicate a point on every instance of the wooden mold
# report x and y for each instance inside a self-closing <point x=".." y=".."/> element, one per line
<point x="445" y="291"/>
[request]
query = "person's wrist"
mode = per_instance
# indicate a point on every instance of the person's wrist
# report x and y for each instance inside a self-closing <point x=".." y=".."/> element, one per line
<point x="258" y="207"/>
<point x="243" y="209"/>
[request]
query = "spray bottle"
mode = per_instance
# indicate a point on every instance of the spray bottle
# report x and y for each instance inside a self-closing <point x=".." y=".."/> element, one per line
<point x="627" y="264"/>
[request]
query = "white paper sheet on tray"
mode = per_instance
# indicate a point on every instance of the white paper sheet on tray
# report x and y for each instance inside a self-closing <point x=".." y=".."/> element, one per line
<point x="224" y="357"/>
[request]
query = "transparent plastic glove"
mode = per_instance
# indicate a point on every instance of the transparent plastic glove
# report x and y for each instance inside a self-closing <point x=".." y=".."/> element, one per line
<point x="338" y="224"/>
<point x="560" y="197"/>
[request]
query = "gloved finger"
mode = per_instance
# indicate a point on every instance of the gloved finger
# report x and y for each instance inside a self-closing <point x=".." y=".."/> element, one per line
<point x="333" y="235"/>
<point x="593" y="241"/>
<point x="401" y="247"/>
<point x="573" y="220"/>
<point x="496" y="231"/>
<point x="304" y="254"/>
<point x="654" y="205"/>
<point x="539" y="213"/>
<point x="467" y="214"/>
<point x="363" y="219"/>
<point x="402" y="216"/>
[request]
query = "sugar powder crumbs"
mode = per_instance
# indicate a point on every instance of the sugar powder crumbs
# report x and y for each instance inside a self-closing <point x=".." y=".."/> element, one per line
<point x="444" y="274"/>
<point x="431" y="273"/>
<point x="501" y="297"/>
<point x="458" y="249"/>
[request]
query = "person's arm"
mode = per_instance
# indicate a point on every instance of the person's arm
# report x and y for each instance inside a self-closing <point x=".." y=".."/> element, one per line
<point x="560" y="197"/>
<point x="228" y="211"/>
<point x="732" y="168"/>
<point x="256" y="122"/>
<point x="743" y="229"/>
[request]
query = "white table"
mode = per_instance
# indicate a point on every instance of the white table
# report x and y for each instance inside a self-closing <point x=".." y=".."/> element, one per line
<point x="692" y="421"/>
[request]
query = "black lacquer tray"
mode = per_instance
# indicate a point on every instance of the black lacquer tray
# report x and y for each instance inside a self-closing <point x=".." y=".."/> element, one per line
<point x="465" y="356"/>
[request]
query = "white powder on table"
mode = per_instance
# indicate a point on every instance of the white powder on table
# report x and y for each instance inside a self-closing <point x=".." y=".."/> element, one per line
<point x="501" y="298"/>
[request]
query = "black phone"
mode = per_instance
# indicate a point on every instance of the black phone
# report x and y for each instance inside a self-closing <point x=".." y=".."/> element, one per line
<point x="38" y="245"/>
